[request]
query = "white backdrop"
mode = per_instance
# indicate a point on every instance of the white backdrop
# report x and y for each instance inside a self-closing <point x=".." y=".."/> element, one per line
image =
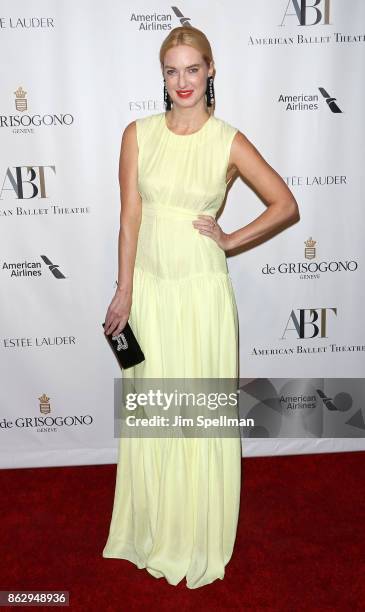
<point x="73" y="75"/>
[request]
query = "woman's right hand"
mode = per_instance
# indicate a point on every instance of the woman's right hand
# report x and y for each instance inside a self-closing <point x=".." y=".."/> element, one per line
<point x="118" y="313"/>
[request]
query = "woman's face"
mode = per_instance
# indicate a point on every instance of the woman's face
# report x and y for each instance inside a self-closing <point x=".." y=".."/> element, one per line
<point x="185" y="71"/>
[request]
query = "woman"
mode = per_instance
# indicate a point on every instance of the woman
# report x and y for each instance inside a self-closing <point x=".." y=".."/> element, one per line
<point x="176" y="500"/>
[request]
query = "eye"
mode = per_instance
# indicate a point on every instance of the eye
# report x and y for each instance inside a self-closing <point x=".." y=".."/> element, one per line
<point x="194" y="69"/>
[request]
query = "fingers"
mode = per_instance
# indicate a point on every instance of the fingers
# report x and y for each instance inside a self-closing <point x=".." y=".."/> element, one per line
<point x="117" y="316"/>
<point x="110" y="326"/>
<point x="110" y="321"/>
<point x="120" y="327"/>
<point x="115" y="326"/>
<point x="114" y="321"/>
<point x="206" y="224"/>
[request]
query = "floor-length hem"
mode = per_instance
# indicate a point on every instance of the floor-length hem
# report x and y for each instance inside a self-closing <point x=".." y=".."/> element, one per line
<point x="157" y="574"/>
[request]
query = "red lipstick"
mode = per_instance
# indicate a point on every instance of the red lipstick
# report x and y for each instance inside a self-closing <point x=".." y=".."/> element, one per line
<point x="184" y="93"/>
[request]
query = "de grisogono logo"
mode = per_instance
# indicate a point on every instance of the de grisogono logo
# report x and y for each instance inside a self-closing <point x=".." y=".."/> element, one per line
<point x="24" y="122"/>
<point x="31" y="182"/>
<point x="47" y="422"/>
<point x="311" y="270"/>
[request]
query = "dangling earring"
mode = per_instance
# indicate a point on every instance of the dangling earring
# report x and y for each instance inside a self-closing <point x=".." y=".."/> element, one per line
<point x="210" y="91"/>
<point x="166" y="97"/>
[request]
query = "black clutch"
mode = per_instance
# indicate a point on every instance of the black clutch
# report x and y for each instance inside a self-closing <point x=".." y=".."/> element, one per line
<point x="125" y="347"/>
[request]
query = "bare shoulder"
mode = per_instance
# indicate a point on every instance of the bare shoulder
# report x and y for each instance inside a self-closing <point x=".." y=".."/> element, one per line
<point x="135" y="131"/>
<point x="241" y="144"/>
<point x="247" y="158"/>
<point x="130" y="132"/>
<point x="130" y="127"/>
<point x="129" y="143"/>
<point x="259" y="174"/>
<point x="128" y="152"/>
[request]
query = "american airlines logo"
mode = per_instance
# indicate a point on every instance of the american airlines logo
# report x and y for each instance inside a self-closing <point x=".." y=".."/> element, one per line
<point x="27" y="269"/>
<point x="303" y="407"/>
<point x="308" y="101"/>
<point x="330" y="100"/>
<point x="148" y="22"/>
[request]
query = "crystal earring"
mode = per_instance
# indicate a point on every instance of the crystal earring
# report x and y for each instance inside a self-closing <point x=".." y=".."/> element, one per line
<point x="166" y="97"/>
<point x="210" y="91"/>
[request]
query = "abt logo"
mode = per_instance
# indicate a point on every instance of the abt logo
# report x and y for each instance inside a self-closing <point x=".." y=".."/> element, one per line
<point x="319" y="10"/>
<point x="34" y="179"/>
<point x="309" y="322"/>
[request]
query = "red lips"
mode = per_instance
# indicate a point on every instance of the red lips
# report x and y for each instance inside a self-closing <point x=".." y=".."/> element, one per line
<point x="184" y="93"/>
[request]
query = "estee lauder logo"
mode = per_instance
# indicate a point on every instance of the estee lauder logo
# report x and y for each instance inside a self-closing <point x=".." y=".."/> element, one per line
<point x="26" y="23"/>
<point x="44" y="405"/>
<point x="312" y="319"/>
<point x="304" y="10"/>
<point x="122" y="342"/>
<point x="310" y="251"/>
<point x="20" y="99"/>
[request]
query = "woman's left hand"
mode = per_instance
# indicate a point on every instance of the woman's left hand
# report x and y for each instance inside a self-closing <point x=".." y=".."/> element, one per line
<point x="207" y="225"/>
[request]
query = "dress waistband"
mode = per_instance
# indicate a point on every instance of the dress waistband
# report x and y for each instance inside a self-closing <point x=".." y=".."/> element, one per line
<point x="158" y="208"/>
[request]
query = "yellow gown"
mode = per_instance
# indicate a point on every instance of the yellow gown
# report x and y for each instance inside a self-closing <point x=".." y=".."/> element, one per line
<point x="176" y="501"/>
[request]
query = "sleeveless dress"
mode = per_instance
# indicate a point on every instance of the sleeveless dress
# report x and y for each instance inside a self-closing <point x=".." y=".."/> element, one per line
<point x="176" y="501"/>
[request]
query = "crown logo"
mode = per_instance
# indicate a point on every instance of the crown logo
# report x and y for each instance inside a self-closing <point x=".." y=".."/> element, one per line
<point x="44" y="405"/>
<point x="310" y="251"/>
<point x="20" y="99"/>
<point x="310" y="242"/>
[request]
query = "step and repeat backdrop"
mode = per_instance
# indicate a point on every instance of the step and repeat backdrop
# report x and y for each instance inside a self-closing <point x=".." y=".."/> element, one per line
<point x="290" y="76"/>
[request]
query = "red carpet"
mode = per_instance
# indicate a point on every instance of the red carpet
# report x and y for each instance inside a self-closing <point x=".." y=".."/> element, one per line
<point x="300" y="543"/>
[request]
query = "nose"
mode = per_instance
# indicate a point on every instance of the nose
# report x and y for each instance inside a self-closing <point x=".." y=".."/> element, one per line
<point x="182" y="80"/>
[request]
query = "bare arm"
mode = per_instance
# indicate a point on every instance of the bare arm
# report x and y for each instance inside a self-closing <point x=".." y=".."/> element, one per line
<point x="270" y="187"/>
<point x="130" y="209"/>
<point x="130" y="220"/>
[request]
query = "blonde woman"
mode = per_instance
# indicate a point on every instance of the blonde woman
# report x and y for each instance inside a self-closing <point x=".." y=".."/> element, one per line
<point x="176" y="501"/>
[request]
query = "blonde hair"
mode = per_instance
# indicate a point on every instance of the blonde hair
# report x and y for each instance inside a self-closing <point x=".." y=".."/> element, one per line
<point x="188" y="35"/>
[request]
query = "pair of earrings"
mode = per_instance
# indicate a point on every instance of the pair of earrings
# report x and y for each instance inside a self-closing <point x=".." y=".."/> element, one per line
<point x="209" y="93"/>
